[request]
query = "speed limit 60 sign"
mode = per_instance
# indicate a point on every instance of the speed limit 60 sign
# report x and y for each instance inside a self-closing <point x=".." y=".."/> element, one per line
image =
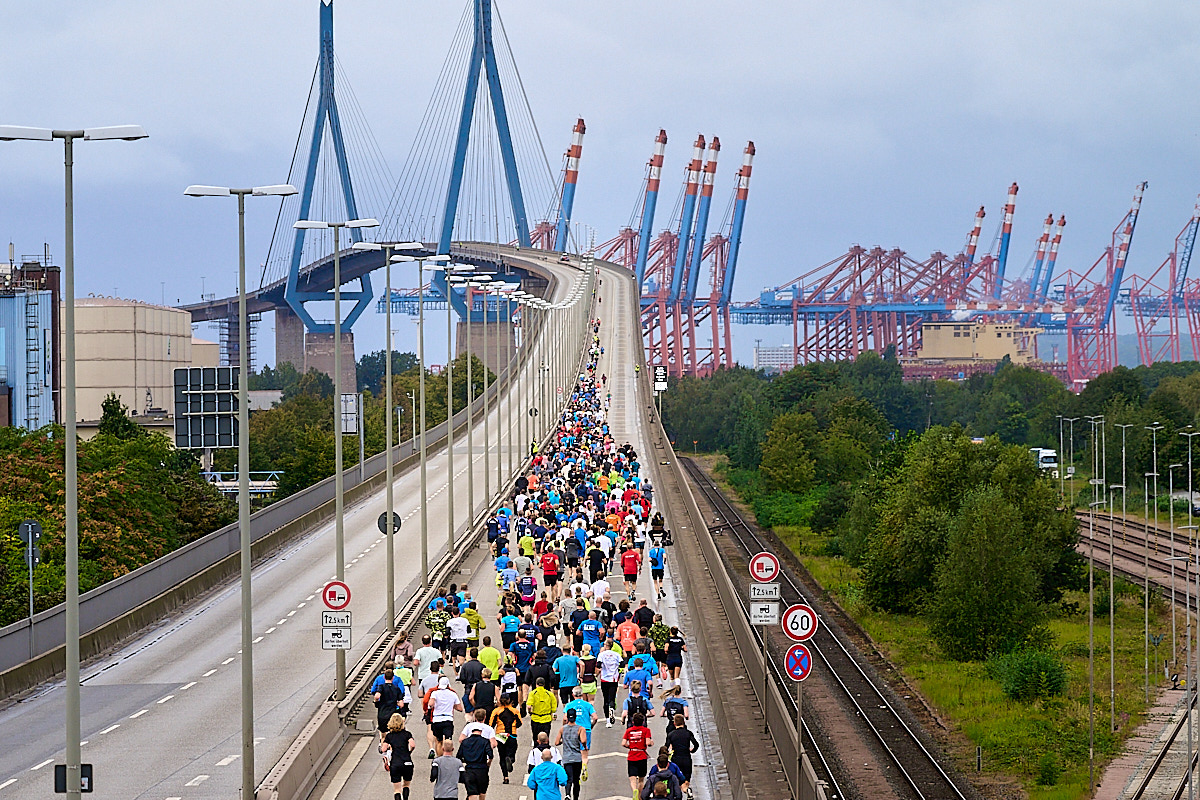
<point x="800" y="622"/>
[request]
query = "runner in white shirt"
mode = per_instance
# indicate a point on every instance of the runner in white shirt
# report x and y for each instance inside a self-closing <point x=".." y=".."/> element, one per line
<point x="599" y="588"/>
<point x="442" y="705"/>
<point x="610" y="672"/>
<point x="458" y="628"/>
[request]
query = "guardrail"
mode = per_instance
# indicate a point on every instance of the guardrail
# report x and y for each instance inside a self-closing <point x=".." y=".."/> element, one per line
<point x="33" y="651"/>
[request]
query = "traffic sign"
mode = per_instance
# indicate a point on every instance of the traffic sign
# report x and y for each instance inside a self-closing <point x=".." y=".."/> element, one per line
<point x="533" y="412"/>
<point x="764" y="591"/>
<point x="33" y="557"/>
<point x="798" y="662"/>
<point x="335" y="595"/>
<point x="85" y="778"/>
<point x="335" y="638"/>
<point x="800" y="622"/>
<point x="764" y="613"/>
<point x="660" y="378"/>
<point x="335" y="619"/>
<point x="560" y="390"/>
<point x="764" y="567"/>
<point x="383" y="522"/>
<point x="29" y="530"/>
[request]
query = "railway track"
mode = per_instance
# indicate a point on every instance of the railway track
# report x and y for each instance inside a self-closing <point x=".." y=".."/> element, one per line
<point x="1143" y="791"/>
<point x="917" y="767"/>
<point x="1131" y="540"/>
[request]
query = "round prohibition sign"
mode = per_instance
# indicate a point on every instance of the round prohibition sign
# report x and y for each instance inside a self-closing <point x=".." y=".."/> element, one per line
<point x="800" y="622"/>
<point x="335" y="595"/>
<point x="764" y="567"/>
<point x="798" y="662"/>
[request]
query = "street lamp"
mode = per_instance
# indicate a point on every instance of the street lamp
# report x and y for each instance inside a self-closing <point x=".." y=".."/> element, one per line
<point x="127" y="133"/>
<point x="481" y="282"/>
<point x="283" y="190"/>
<point x="464" y="280"/>
<point x="448" y="269"/>
<point x="509" y="336"/>
<point x="496" y="284"/>
<point x="387" y="379"/>
<point x="420" y="262"/>
<point x="339" y="479"/>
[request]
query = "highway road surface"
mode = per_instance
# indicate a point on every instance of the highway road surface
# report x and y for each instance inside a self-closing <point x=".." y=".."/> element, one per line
<point x="161" y="716"/>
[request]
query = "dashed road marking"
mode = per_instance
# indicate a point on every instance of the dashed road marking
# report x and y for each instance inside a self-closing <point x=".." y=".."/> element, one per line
<point x="165" y="699"/>
<point x="45" y="763"/>
<point x="207" y="674"/>
<point x="269" y="630"/>
<point x="111" y="728"/>
<point x="186" y="686"/>
<point x="11" y="781"/>
<point x="256" y="641"/>
<point x="293" y="611"/>
<point x="196" y="781"/>
<point x="137" y="714"/>
<point x="227" y="662"/>
<point x="227" y="760"/>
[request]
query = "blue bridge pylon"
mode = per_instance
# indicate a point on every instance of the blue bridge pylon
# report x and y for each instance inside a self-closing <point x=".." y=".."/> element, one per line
<point x="327" y="112"/>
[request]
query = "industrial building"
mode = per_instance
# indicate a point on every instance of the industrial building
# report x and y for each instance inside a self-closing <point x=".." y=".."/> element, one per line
<point x="133" y="349"/>
<point x="29" y="325"/>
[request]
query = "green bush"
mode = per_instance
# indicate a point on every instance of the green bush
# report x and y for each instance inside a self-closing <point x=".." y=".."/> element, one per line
<point x="1029" y="675"/>
<point x="1048" y="770"/>
<point x="782" y="508"/>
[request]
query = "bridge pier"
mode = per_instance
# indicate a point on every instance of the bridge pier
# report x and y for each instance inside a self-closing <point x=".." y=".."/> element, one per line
<point x="318" y="355"/>
<point x="495" y="352"/>
<point x="289" y="338"/>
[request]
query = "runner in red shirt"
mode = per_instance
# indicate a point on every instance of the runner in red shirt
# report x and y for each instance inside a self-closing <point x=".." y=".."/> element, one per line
<point x="550" y="574"/>
<point x="637" y="740"/>
<point x="631" y="563"/>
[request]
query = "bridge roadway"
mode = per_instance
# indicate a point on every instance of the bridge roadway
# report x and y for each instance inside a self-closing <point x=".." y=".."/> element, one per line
<point x="161" y="715"/>
<point x="356" y="773"/>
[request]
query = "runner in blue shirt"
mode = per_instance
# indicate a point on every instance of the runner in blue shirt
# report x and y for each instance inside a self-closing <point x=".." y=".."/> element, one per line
<point x="566" y="667"/>
<point x="509" y="623"/>
<point x="592" y="630"/>
<point x="522" y="652"/>
<point x="658" y="564"/>
<point x="585" y="713"/>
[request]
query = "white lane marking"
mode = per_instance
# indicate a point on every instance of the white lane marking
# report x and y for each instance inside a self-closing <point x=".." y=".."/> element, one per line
<point x="207" y="674"/>
<point x="227" y="760"/>
<point x="165" y="699"/>
<point x="196" y="781"/>
<point x="45" y="763"/>
<point x="110" y="729"/>
<point x="291" y="612"/>
<point x="174" y="798"/>
<point x="269" y="630"/>
<point x="310" y="597"/>
<point x="85" y="741"/>
<point x="137" y="714"/>
<point x="256" y="641"/>
<point x="186" y="686"/>
<point x="281" y="621"/>
<point x="227" y="661"/>
<point x="11" y="781"/>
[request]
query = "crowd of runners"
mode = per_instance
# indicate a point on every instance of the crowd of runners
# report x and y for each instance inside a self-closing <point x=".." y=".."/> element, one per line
<point x="544" y="651"/>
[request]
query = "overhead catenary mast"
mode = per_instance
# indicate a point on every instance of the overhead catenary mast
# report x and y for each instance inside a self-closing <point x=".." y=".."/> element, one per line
<point x="569" y="180"/>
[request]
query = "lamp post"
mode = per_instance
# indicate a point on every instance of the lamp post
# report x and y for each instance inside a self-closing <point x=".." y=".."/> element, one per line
<point x="496" y="284"/>
<point x="284" y="190"/>
<point x="1071" y="446"/>
<point x="387" y="379"/>
<point x="412" y="397"/>
<point x="1190" y="435"/>
<point x="464" y="281"/>
<point x="339" y="479"/>
<point x="509" y="335"/>
<point x="483" y="285"/>
<point x="448" y="269"/>
<point x="127" y="133"/>
<point x="420" y="262"/>
<point x="1062" y="470"/>
<point x="1112" y="630"/>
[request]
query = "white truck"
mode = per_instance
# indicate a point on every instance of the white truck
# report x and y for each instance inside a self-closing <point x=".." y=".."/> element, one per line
<point x="1047" y="460"/>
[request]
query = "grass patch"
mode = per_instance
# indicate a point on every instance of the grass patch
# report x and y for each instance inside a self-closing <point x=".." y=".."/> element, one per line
<point x="1040" y="741"/>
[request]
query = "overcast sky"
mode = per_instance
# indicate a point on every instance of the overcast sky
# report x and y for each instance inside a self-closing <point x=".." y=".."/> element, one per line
<point x="875" y="122"/>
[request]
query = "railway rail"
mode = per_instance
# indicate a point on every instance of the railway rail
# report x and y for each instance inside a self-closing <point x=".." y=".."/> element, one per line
<point x="919" y="768"/>
<point x="1142" y="792"/>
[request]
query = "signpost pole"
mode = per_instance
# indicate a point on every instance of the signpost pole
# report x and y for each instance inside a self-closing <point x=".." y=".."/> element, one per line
<point x="766" y="673"/>
<point x="29" y="561"/>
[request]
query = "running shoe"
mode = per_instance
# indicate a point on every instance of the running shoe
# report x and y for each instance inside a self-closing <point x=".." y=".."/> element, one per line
<point x="583" y="777"/>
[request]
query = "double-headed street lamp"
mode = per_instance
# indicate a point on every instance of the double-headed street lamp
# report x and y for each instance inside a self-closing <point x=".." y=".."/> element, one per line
<point x="126" y="133"/>
<point x="282" y="190"/>
<point x="1171" y="524"/>
<point x="387" y="379"/>
<point x="339" y="481"/>
<point x="420" y="262"/>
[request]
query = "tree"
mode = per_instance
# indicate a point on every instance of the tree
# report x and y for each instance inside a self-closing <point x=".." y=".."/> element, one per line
<point x="787" y="465"/>
<point x="986" y="588"/>
<point x="372" y="369"/>
<point x="115" y="421"/>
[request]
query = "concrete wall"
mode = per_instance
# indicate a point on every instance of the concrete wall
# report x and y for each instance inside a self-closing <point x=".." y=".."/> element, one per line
<point x="289" y="338"/>
<point x="205" y="353"/>
<point x="318" y="355"/>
